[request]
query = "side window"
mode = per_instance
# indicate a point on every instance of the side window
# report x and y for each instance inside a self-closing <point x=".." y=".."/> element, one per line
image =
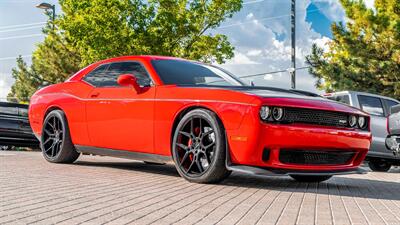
<point x="134" y="68"/>
<point x="371" y="105"/>
<point x="97" y="76"/>
<point x="390" y="103"/>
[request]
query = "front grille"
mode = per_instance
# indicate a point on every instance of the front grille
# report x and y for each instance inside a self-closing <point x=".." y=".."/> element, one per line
<point x="319" y="117"/>
<point x="315" y="157"/>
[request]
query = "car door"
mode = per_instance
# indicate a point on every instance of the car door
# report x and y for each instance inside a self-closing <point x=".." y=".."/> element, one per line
<point x="9" y="123"/>
<point x="374" y="106"/>
<point x="118" y="117"/>
<point x="24" y="126"/>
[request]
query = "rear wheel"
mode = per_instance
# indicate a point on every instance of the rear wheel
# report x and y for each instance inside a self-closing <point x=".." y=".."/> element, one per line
<point x="379" y="165"/>
<point x="56" y="143"/>
<point x="199" y="147"/>
<point x="311" y="178"/>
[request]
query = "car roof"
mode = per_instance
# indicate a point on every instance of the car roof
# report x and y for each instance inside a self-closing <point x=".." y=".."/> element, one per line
<point x="363" y="93"/>
<point x="145" y="57"/>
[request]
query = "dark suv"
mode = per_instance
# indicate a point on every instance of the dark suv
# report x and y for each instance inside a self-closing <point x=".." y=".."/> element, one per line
<point x="14" y="126"/>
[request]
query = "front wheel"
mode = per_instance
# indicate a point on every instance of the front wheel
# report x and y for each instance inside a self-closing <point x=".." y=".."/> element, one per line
<point x="199" y="147"/>
<point x="379" y="165"/>
<point x="311" y="178"/>
<point x="56" y="143"/>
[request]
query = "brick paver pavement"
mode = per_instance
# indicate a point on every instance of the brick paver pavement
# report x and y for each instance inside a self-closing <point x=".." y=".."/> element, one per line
<point x="103" y="190"/>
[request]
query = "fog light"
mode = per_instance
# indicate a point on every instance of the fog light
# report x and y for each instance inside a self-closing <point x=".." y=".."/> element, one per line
<point x="277" y="114"/>
<point x="352" y="121"/>
<point x="362" y="122"/>
<point x="264" y="112"/>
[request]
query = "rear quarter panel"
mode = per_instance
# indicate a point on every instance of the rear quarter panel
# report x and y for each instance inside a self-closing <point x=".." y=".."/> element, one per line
<point x="68" y="97"/>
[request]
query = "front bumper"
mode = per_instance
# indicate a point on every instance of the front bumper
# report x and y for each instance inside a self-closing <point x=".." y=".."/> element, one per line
<point x="281" y="172"/>
<point x="393" y="144"/>
<point x="277" y="138"/>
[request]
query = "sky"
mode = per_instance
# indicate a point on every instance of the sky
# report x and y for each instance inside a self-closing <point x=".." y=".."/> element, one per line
<point x="260" y="33"/>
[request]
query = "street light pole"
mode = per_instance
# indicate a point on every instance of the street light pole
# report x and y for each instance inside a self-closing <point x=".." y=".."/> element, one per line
<point x="293" y="52"/>
<point x="47" y="6"/>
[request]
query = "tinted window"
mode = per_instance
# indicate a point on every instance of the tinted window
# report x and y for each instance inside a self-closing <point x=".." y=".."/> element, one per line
<point x="96" y="77"/>
<point x="390" y="103"/>
<point x="191" y="73"/>
<point x="134" y="68"/>
<point x="107" y="75"/>
<point x="371" y="105"/>
<point x="341" y="98"/>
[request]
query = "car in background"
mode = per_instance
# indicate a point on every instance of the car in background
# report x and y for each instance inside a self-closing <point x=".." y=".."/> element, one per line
<point x="393" y="139"/>
<point x="379" y="158"/>
<point x="15" y="130"/>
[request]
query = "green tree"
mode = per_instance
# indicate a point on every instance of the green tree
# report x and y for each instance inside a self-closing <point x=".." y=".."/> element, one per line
<point x="364" y="54"/>
<point x="53" y="61"/>
<point x="91" y="30"/>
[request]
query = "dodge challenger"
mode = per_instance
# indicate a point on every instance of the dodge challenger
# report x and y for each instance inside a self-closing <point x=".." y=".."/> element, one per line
<point x="205" y="120"/>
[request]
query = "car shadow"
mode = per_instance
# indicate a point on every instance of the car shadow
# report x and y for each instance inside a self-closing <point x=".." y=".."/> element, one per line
<point x="348" y="186"/>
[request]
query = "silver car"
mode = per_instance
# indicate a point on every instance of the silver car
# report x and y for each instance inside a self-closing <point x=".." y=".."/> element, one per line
<point x="393" y="140"/>
<point x="379" y="158"/>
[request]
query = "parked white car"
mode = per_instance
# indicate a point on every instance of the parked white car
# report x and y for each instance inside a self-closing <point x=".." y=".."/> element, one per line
<point x="379" y="158"/>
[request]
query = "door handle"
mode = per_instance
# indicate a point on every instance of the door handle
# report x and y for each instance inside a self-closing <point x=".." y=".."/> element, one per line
<point x="95" y="95"/>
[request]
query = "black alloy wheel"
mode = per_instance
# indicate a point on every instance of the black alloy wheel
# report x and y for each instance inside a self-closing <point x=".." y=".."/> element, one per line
<point x="52" y="137"/>
<point x="199" y="147"/>
<point x="56" y="141"/>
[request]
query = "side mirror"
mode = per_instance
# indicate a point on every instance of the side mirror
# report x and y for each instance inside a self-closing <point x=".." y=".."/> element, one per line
<point x="129" y="80"/>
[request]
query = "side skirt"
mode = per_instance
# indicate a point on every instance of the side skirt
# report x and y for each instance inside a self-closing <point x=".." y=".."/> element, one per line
<point x="123" y="154"/>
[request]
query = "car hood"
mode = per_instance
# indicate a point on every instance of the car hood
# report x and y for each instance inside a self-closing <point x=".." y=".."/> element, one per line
<point x="290" y="98"/>
<point x="263" y="91"/>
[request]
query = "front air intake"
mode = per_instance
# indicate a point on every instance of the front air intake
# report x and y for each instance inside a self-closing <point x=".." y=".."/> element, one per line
<point x="315" y="157"/>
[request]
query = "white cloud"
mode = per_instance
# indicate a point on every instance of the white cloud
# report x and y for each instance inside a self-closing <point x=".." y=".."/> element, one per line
<point x="254" y="52"/>
<point x="241" y="59"/>
<point x="261" y="41"/>
<point x="5" y="85"/>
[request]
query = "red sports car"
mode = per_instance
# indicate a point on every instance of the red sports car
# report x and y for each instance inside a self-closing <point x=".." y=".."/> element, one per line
<point x="158" y="109"/>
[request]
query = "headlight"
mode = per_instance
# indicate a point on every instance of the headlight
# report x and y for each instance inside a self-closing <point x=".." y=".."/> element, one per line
<point x="264" y="112"/>
<point x="362" y="122"/>
<point x="352" y="121"/>
<point x="277" y="113"/>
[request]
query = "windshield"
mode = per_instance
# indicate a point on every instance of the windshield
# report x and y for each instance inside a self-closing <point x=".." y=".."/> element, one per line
<point x="182" y="72"/>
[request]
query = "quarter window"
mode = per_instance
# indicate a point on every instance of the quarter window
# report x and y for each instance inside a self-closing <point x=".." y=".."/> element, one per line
<point x="371" y="105"/>
<point x="96" y="77"/>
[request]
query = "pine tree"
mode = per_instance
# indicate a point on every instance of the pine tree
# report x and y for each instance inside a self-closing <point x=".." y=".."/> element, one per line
<point x="364" y="54"/>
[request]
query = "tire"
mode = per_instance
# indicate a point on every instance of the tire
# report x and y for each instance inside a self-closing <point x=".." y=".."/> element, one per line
<point x="198" y="147"/>
<point x="56" y="143"/>
<point x="311" y="178"/>
<point x="379" y="165"/>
